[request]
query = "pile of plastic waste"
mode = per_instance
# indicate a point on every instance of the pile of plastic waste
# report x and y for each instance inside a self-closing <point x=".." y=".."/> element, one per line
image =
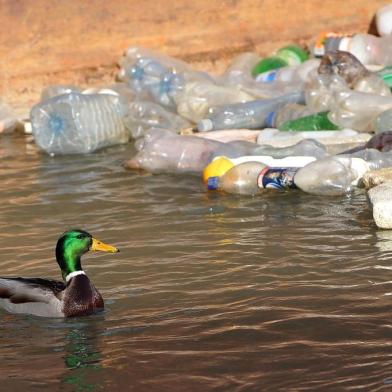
<point x="316" y="119"/>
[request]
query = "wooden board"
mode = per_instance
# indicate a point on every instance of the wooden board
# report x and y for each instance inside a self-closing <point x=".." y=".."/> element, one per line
<point x="79" y="42"/>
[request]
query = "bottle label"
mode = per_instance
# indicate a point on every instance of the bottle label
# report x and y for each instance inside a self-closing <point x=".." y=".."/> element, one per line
<point x="277" y="178"/>
<point x="266" y="77"/>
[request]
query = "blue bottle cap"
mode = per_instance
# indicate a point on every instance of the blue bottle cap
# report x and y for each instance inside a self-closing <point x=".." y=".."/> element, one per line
<point x="270" y="120"/>
<point x="212" y="183"/>
<point x="266" y="77"/>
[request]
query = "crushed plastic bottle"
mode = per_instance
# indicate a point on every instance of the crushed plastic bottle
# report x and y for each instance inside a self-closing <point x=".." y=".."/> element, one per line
<point x="58" y="89"/>
<point x="250" y="115"/>
<point x="143" y="115"/>
<point x="162" y="151"/>
<point x="78" y="123"/>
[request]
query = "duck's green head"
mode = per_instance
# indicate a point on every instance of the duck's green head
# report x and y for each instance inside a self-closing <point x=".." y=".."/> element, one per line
<point x="72" y="245"/>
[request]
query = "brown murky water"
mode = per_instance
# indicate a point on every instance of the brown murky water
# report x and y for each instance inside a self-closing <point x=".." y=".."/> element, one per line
<point x="210" y="292"/>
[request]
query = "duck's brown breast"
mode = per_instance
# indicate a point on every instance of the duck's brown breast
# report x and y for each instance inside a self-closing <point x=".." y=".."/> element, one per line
<point x="81" y="298"/>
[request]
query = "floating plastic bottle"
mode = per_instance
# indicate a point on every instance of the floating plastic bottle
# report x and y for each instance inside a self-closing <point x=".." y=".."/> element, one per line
<point x="78" y="123"/>
<point x="367" y="48"/>
<point x="250" y="115"/>
<point x="143" y="115"/>
<point x="220" y="165"/>
<point x="313" y="122"/>
<point x="162" y="151"/>
<point x="288" y="55"/>
<point x="332" y="176"/>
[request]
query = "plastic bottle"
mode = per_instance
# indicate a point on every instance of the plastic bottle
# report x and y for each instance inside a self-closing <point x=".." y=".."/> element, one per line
<point x="143" y="115"/>
<point x="313" y="122"/>
<point x="162" y="151"/>
<point x="333" y="140"/>
<point x="383" y="122"/>
<point x="289" y="74"/>
<point x="78" y="123"/>
<point x="220" y="165"/>
<point x="240" y="69"/>
<point x="357" y="110"/>
<point x="58" y="89"/>
<point x="251" y="115"/>
<point x="367" y="48"/>
<point x="332" y="176"/>
<point x="288" y="55"/>
<point x="384" y="20"/>
<point x="288" y="112"/>
<point x="195" y="98"/>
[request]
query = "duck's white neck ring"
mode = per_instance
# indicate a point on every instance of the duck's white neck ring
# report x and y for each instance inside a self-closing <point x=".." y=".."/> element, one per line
<point x="72" y="275"/>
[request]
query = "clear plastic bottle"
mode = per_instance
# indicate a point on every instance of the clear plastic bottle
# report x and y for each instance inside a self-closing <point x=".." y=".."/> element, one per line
<point x="289" y="74"/>
<point x="332" y="176"/>
<point x="78" y="123"/>
<point x="250" y="115"/>
<point x="383" y="122"/>
<point x="162" y="151"/>
<point x="143" y="115"/>
<point x="240" y="179"/>
<point x="358" y="110"/>
<point x="288" y="112"/>
<point x="220" y="165"/>
<point x="58" y="89"/>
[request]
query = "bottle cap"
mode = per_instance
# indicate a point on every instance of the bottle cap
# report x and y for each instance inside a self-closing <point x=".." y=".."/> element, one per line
<point x="386" y="75"/>
<point x="212" y="183"/>
<point x="270" y="120"/>
<point x="217" y="168"/>
<point x="205" y="125"/>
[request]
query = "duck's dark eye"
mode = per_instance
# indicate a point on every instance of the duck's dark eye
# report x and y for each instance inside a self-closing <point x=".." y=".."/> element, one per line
<point x="80" y="236"/>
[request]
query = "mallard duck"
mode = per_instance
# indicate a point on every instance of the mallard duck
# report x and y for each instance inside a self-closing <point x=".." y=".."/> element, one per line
<point x="75" y="296"/>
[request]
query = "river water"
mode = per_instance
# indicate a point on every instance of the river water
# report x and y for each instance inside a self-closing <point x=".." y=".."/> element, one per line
<point x="211" y="292"/>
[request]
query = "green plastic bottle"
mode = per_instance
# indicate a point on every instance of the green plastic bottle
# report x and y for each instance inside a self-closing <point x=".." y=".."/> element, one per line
<point x="288" y="55"/>
<point x="314" y="122"/>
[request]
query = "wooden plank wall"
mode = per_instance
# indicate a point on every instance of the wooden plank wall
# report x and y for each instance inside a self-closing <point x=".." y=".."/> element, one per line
<point x="77" y="41"/>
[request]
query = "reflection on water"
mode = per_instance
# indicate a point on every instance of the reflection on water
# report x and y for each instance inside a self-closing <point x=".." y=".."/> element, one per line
<point x="210" y="292"/>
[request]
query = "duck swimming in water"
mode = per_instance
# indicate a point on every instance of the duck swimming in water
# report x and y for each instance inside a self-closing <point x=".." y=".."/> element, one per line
<point x="76" y="296"/>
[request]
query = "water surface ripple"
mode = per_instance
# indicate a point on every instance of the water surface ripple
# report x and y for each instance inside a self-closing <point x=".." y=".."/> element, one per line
<point x="210" y="292"/>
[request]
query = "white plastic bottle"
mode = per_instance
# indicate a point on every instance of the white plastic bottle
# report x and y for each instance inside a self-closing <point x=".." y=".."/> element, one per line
<point x="78" y="123"/>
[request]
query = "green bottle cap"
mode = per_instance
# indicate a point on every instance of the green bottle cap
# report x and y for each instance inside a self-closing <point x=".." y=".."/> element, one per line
<point x="386" y="75"/>
<point x="267" y="64"/>
<point x="293" y="54"/>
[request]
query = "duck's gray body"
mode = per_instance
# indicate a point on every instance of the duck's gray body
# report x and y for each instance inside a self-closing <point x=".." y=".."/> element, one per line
<point x="50" y="298"/>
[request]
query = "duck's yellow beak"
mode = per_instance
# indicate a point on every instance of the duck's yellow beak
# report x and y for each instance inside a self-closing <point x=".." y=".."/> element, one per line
<point x="98" y="245"/>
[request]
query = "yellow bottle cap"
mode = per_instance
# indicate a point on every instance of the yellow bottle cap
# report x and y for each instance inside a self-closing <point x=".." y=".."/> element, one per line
<point x="218" y="167"/>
